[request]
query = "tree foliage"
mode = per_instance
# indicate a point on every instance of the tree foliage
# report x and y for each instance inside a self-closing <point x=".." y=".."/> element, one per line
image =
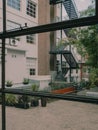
<point x="89" y="39"/>
<point x="86" y="40"/>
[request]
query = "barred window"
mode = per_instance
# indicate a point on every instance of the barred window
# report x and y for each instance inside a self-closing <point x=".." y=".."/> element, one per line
<point x="30" y="38"/>
<point x="31" y="8"/>
<point x="32" y="71"/>
<point x="14" y="4"/>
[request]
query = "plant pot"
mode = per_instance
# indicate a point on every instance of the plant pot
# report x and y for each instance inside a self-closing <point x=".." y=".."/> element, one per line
<point x="35" y="102"/>
<point x="22" y="105"/>
<point x="25" y="83"/>
<point x="8" y="104"/>
<point x="43" y="101"/>
<point x="8" y="85"/>
<point x="64" y="90"/>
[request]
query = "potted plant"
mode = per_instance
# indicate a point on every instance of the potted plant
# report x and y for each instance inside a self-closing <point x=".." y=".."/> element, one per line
<point x="34" y="87"/>
<point x="43" y="101"/>
<point x="34" y="100"/>
<point x="23" y="102"/>
<point x="60" y="87"/>
<point x="25" y="81"/>
<point x="9" y="83"/>
<point x="10" y="100"/>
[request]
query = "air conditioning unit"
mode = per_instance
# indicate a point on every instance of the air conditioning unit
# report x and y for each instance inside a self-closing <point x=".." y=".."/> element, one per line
<point x="13" y="42"/>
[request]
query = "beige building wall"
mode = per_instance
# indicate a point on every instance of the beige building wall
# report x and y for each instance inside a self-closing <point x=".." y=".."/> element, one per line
<point x="24" y="56"/>
<point x="43" y="39"/>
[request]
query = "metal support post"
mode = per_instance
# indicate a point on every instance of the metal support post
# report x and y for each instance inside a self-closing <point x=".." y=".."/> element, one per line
<point x="96" y="4"/>
<point x="61" y="41"/>
<point x="70" y="63"/>
<point x="3" y="68"/>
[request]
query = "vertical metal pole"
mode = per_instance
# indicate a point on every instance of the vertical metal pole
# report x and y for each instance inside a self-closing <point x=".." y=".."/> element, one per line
<point x="70" y="62"/>
<point x="96" y="6"/>
<point x="61" y="19"/>
<point x="61" y="62"/>
<point x="61" y="41"/>
<point x="3" y="68"/>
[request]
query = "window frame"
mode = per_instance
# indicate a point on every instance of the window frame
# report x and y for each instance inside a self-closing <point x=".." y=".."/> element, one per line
<point x="31" y="39"/>
<point x="32" y="71"/>
<point x="31" y="8"/>
<point x="15" y="4"/>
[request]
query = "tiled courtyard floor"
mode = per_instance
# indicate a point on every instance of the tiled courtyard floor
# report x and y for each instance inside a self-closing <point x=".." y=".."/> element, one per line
<point x="58" y="115"/>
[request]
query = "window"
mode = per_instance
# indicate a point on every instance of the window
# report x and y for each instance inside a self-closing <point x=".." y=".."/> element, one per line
<point x="32" y="71"/>
<point x="14" y="4"/>
<point x="76" y="70"/>
<point x="31" y="66"/>
<point x="31" y="8"/>
<point x="30" y="38"/>
<point x="72" y="79"/>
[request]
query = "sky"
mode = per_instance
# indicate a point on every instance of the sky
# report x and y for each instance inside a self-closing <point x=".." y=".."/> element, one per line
<point x="82" y="4"/>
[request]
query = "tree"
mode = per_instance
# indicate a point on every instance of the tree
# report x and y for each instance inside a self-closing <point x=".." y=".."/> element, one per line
<point x="89" y="39"/>
<point x="86" y="39"/>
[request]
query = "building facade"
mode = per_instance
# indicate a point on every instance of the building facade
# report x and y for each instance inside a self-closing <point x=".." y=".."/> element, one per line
<point x="28" y="56"/>
<point x="21" y="52"/>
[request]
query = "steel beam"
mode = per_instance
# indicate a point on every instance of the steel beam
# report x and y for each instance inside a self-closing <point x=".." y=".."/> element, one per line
<point x="69" y="97"/>
<point x="51" y="27"/>
<point x="96" y="7"/>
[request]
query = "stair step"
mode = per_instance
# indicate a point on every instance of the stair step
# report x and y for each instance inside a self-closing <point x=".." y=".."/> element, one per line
<point x="70" y="9"/>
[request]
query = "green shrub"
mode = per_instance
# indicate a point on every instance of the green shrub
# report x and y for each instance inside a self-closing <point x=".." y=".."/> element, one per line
<point x="9" y="83"/>
<point x="10" y="99"/>
<point x="60" y="85"/>
<point x="23" y="99"/>
<point x="34" y="87"/>
<point x="25" y="81"/>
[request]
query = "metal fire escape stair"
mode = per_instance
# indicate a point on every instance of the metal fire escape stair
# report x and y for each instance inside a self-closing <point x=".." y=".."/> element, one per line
<point x="70" y="60"/>
<point x="64" y="71"/>
<point x="72" y="12"/>
<point x="70" y="8"/>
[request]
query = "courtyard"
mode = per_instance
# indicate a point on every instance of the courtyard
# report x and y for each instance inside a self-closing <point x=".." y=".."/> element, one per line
<point x="57" y="115"/>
